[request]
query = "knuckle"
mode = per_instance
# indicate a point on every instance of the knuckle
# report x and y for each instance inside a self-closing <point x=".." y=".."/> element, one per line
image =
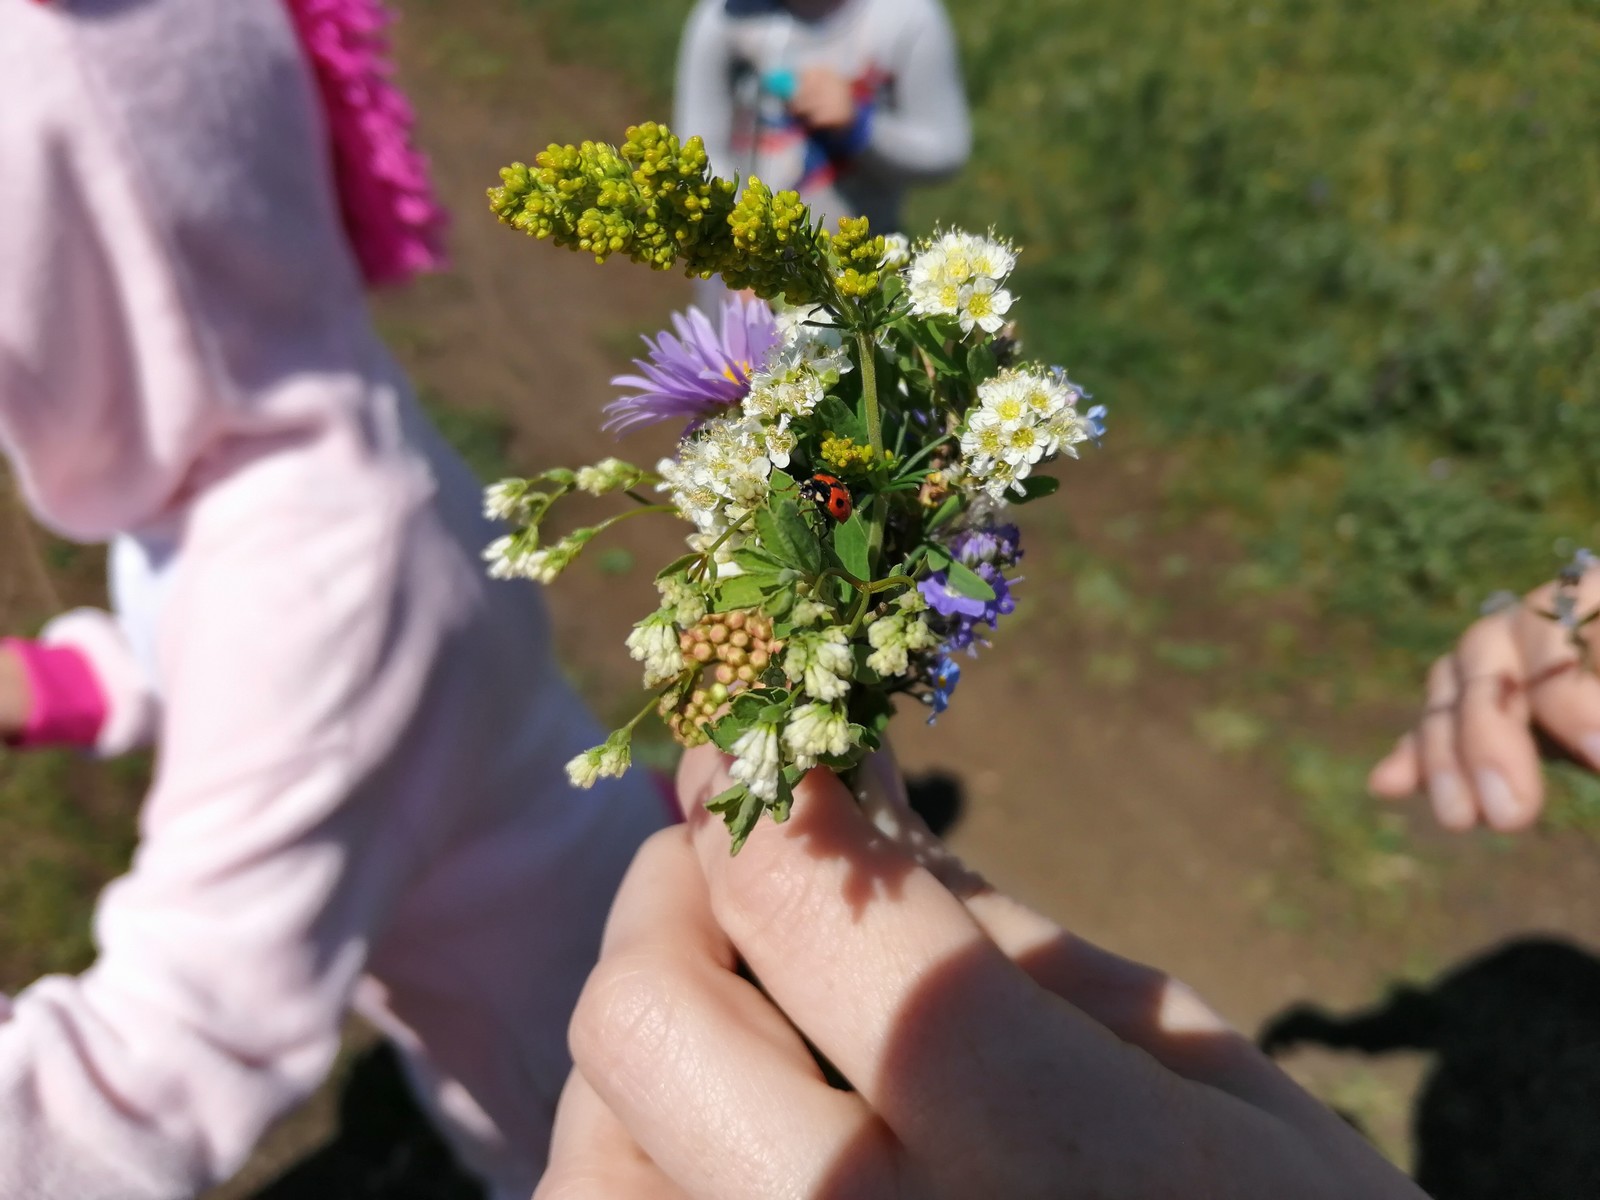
<point x="625" y="1013"/>
<point x="767" y="892"/>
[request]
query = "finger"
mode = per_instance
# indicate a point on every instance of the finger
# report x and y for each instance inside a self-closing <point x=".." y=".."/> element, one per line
<point x="706" y="1075"/>
<point x="594" y="1157"/>
<point x="895" y="981"/>
<point x="1493" y="739"/>
<point x="1563" y="689"/>
<point x="1454" y="804"/>
<point x="1399" y="773"/>
<point x="1141" y="1005"/>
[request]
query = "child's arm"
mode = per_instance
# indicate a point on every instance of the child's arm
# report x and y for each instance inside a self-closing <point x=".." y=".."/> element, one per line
<point x="703" y="98"/>
<point x="76" y="685"/>
<point x="927" y="135"/>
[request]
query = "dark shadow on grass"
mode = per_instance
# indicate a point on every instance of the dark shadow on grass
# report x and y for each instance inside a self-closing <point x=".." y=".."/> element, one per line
<point x="1510" y="1109"/>
<point x="939" y="799"/>
<point x="385" y="1149"/>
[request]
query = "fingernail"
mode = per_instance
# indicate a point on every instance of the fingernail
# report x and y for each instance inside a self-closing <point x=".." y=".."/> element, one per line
<point x="1499" y="802"/>
<point x="1450" y="799"/>
<point x="1591" y="749"/>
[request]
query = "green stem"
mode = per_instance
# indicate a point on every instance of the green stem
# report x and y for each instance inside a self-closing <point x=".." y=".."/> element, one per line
<point x="869" y="393"/>
<point x="634" y="512"/>
<point x="706" y="558"/>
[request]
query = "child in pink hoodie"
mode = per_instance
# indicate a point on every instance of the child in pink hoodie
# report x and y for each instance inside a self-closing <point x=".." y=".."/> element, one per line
<point x="358" y="797"/>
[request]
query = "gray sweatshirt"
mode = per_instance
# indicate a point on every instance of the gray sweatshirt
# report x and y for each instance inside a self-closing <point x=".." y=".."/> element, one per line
<point x="736" y="67"/>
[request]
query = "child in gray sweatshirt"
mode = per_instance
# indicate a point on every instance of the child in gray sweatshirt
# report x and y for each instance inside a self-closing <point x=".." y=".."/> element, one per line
<point x="849" y="102"/>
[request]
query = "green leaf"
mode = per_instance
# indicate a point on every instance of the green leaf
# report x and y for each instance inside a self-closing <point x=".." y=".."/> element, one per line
<point x="850" y="544"/>
<point x="782" y="482"/>
<point x="786" y="536"/>
<point x="838" y="416"/>
<point x="743" y="820"/>
<point x="966" y="582"/>
<point x="727" y="731"/>
<point x="727" y="801"/>
<point x="1036" y="487"/>
<point x="951" y="506"/>
<point x="677" y="565"/>
<point x="981" y="364"/>
<point x="938" y="557"/>
<point x="931" y="343"/>
<point x="756" y="562"/>
<point x="742" y="591"/>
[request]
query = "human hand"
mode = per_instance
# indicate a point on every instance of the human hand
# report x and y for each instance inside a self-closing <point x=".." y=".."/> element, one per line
<point x="991" y="1052"/>
<point x="823" y="99"/>
<point x="1512" y="678"/>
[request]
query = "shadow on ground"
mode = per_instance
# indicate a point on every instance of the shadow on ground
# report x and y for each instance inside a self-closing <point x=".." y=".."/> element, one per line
<point x="385" y="1148"/>
<point x="1511" y="1104"/>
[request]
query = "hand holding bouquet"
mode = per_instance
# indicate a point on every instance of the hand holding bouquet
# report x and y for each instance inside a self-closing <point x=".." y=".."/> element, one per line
<point x="846" y="466"/>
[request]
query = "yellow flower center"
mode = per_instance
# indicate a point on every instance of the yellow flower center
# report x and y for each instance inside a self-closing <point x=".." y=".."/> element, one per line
<point x="739" y="372"/>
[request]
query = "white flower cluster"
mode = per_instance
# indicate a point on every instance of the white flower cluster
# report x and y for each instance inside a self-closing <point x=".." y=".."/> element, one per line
<point x="896" y="251"/>
<point x="895" y="635"/>
<point x="506" y="500"/>
<point x="815" y="730"/>
<point x="654" y="642"/>
<point x="516" y="556"/>
<point x="960" y="275"/>
<point x="720" y="474"/>
<point x="757" y="760"/>
<point x="793" y="382"/>
<point x="682" y="599"/>
<point x="820" y="662"/>
<point x="606" y="476"/>
<point x="1022" y="417"/>
<point x="610" y="760"/>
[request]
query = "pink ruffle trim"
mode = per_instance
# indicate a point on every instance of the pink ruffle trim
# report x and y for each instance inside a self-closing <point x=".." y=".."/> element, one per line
<point x="68" y="704"/>
<point x="393" y="221"/>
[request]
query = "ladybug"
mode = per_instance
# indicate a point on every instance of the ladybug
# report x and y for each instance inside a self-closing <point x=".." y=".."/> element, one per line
<point x="828" y="494"/>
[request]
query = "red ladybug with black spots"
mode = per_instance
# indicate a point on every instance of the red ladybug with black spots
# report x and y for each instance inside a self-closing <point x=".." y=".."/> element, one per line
<point x="829" y="494"/>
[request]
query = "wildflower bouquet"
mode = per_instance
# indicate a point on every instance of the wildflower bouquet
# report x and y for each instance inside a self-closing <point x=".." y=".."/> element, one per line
<point x="846" y="467"/>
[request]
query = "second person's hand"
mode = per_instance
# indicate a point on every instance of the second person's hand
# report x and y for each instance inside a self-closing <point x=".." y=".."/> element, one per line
<point x="1475" y="751"/>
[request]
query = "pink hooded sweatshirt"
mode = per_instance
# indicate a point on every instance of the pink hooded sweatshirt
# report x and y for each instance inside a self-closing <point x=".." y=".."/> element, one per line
<point x="359" y="798"/>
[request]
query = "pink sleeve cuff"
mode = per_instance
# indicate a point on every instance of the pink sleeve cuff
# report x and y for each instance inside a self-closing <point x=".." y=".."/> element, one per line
<point x="68" y="704"/>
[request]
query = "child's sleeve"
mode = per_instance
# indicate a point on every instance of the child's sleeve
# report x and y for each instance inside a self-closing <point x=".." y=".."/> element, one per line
<point x="296" y="791"/>
<point x="927" y="134"/>
<point x="703" y="96"/>
<point x="86" y="689"/>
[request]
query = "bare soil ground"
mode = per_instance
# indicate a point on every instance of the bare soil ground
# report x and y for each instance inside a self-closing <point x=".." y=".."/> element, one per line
<point x="1116" y="771"/>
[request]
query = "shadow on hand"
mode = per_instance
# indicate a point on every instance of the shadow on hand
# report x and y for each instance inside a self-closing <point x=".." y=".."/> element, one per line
<point x="385" y="1149"/>
<point x="1510" y="1109"/>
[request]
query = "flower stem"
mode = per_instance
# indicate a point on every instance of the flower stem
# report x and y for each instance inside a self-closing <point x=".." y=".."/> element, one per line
<point x="869" y="393"/>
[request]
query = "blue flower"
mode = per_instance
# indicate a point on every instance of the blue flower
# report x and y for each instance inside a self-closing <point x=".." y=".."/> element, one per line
<point x="942" y="680"/>
<point x="1096" y="419"/>
<point x="700" y="372"/>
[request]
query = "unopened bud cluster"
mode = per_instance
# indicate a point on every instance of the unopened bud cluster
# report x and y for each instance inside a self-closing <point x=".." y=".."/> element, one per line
<point x="735" y="647"/>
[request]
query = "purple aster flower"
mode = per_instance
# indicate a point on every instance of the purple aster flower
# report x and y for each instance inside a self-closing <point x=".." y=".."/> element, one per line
<point x="699" y="372"/>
